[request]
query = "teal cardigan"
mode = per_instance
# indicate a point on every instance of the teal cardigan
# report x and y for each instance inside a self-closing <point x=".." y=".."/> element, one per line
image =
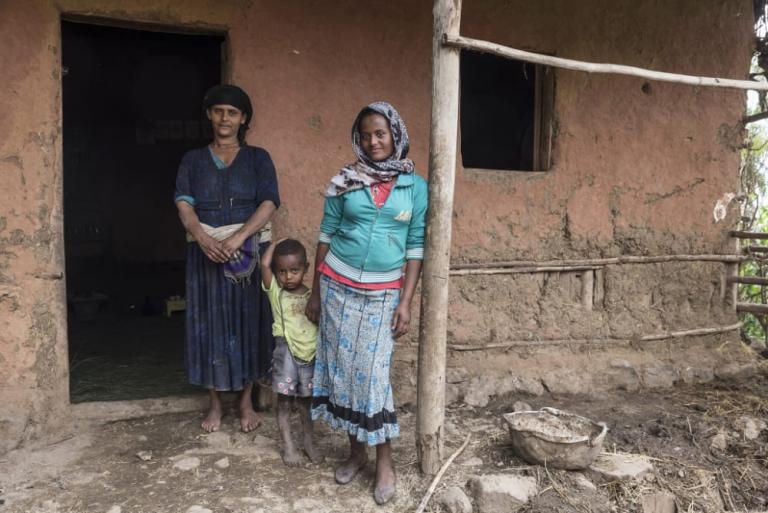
<point x="369" y="244"/>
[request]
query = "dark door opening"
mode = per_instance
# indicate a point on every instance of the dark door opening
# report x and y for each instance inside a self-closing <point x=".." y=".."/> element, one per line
<point x="131" y="108"/>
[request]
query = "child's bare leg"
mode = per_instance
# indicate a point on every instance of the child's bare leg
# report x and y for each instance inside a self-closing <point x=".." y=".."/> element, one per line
<point x="305" y="405"/>
<point x="212" y="421"/>
<point x="291" y="456"/>
<point x="358" y="457"/>
<point x="385" y="474"/>
<point x="249" y="419"/>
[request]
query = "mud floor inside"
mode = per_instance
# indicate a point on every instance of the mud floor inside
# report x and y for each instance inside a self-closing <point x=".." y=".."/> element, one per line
<point x="697" y="439"/>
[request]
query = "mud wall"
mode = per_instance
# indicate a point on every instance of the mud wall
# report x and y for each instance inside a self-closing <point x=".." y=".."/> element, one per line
<point x="637" y="169"/>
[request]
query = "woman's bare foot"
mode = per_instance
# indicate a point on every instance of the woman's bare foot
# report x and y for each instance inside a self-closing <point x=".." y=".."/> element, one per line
<point x="249" y="419"/>
<point x="212" y="421"/>
<point x="347" y="471"/>
<point x="385" y="474"/>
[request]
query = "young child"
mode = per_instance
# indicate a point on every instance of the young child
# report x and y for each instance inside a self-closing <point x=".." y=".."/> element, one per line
<point x="283" y="267"/>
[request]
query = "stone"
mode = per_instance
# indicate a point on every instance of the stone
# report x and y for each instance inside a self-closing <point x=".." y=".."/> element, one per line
<point x="521" y="406"/>
<point x="659" y="376"/>
<point x="115" y="509"/>
<point x="455" y="375"/>
<point x="144" y="455"/>
<point x="222" y="463"/>
<point x="659" y="502"/>
<point x="622" y="375"/>
<point x="474" y="461"/>
<point x="750" y="427"/>
<point x="188" y="463"/>
<point x="582" y="482"/>
<point x="450" y="428"/>
<point x="620" y="467"/>
<point x="719" y="442"/>
<point x="697" y="375"/>
<point x="452" y="393"/>
<point x="143" y="438"/>
<point x="198" y="509"/>
<point x="502" y="493"/>
<point x="480" y="388"/>
<point x="736" y="371"/>
<point x="307" y="505"/>
<point x="454" y="500"/>
<point x="218" y="440"/>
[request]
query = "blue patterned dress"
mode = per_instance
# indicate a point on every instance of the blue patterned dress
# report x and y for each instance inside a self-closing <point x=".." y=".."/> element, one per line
<point x="229" y="326"/>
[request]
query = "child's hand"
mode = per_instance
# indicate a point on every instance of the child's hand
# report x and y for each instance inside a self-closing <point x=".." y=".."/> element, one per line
<point x="401" y="319"/>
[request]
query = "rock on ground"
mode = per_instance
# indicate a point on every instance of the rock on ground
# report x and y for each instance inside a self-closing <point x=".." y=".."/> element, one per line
<point x="719" y="442"/>
<point x="198" y="509"/>
<point x="222" y="463"/>
<point x="521" y="406"/>
<point x="454" y="500"/>
<point x="480" y="388"/>
<point x="621" y="467"/>
<point x="502" y="493"/>
<point x="660" y="502"/>
<point x="750" y="427"/>
<point x="188" y="463"/>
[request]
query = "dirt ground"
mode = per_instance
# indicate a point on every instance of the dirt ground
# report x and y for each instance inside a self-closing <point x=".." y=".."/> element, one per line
<point x="100" y="470"/>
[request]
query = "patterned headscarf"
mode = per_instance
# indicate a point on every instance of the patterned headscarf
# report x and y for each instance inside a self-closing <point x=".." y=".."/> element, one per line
<point x="366" y="171"/>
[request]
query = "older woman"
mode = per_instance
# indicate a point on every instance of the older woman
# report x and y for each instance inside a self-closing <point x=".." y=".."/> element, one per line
<point x="226" y="193"/>
<point x="373" y="224"/>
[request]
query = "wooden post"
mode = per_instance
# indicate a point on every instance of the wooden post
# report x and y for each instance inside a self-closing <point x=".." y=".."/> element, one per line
<point x="434" y="289"/>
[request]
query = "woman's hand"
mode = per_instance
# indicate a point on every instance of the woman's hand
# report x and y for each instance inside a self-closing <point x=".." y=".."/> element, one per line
<point x="232" y="244"/>
<point x="401" y="320"/>
<point x="212" y="248"/>
<point x="312" y="311"/>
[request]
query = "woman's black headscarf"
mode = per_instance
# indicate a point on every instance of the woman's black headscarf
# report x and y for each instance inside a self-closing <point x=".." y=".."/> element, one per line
<point x="226" y="94"/>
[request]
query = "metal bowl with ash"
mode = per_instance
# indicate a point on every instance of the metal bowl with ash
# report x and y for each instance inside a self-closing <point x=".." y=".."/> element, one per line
<point x="556" y="438"/>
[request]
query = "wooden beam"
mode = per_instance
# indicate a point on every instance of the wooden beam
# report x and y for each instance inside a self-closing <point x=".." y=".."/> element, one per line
<point x="626" y="259"/>
<point x="592" y="67"/>
<point x="748" y="280"/>
<point x="755" y="249"/>
<point x="752" y="308"/>
<point x="748" y="235"/>
<point x="433" y="326"/>
<point x="525" y="270"/>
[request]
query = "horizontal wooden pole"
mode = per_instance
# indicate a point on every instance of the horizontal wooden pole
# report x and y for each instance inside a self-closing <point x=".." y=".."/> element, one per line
<point x="752" y="308"/>
<point x="566" y="341"/>
<point x="698" y="332"/>
<point x="748" y="280"/>
<point x="627" y="259"/>
<point x="523" y="270"/>
<point x="749" y="235"/>
<point x="755" y="249"/>
<point x="593" y="67"/>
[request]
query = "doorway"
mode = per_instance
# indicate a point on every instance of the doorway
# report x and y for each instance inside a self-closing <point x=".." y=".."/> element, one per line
<point x="132" y="105"/>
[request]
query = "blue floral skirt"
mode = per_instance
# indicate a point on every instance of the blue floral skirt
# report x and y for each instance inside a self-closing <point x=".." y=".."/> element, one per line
<point x="352" y="391"/>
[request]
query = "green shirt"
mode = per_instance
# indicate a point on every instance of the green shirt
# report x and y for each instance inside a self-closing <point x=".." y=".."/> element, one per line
<point x="288" y="311"/>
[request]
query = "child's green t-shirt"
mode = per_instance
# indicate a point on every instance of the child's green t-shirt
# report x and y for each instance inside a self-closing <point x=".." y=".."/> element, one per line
<point x="288" y="310"/>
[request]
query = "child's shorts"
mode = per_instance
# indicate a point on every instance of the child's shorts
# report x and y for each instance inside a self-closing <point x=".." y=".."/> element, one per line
<point x="290" y="375"/>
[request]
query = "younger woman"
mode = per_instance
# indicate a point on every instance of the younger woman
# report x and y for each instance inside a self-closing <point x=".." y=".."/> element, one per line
<point x="373" y="224"/>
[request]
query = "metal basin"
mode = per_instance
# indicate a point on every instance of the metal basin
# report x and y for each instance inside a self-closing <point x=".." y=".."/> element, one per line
<point x="556" y="438"/>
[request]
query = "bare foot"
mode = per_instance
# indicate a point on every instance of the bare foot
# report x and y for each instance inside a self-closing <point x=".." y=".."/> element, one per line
<point x="249" y="419"/>
<point x="291" y="456"/>
<point x="311" y="451"/>
<point x="212" y="421"/>
<point x="347" y="471"/>
<point x="385" y="487"/>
